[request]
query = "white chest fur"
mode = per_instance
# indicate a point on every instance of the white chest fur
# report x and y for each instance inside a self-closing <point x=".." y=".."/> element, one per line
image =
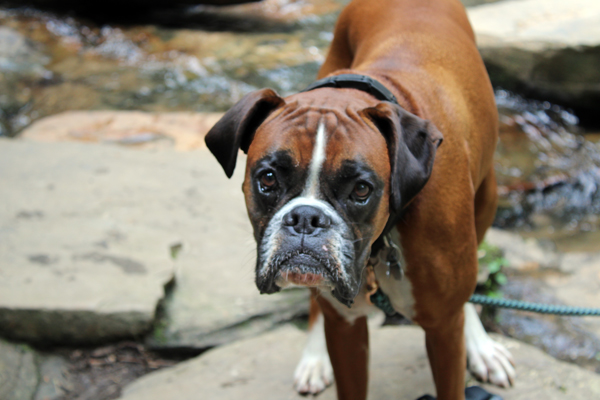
<point x="398" y="291"/>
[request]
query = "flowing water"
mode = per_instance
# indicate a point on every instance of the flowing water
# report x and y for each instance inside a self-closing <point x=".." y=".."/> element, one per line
<point x="548" y="174"/>
<point x="52" y="63"/>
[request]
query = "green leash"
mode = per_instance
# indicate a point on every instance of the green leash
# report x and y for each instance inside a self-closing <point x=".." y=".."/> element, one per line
<point x="382" y="301"/>
<point x="533" y="307"/>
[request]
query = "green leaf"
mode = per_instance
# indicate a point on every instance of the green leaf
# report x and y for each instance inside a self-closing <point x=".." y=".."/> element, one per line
<point x="501" y="279"/>
<point x="494" y="266"/>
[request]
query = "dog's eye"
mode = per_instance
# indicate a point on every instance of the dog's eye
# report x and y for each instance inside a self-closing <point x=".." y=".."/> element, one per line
<point x="267" y="181"/>
<point x="361" y="191"/>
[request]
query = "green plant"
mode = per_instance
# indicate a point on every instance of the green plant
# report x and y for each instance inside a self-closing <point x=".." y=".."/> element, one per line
<point x="491" y="265"/>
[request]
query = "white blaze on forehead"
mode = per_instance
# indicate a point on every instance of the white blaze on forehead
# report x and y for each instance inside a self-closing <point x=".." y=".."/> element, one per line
<point x="316" y="163"/>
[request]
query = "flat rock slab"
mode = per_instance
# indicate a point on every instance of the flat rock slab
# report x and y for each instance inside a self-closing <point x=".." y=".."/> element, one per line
<point x="78" y="260"/>
<point x="547" y="48"/>
<point x="262" y="368"/>
<point x="180" y="130"/>
<point x="87" y="235"/>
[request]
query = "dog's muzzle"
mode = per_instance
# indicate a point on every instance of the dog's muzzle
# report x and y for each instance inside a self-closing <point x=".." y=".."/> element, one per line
<point x="306" y="243"/>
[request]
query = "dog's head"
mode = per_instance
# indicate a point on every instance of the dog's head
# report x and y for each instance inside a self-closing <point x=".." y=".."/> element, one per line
<point x="324" y="171"/>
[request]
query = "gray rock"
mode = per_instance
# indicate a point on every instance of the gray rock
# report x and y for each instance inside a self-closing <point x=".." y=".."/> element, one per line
<point x="262" y="368"/>
<point x="86" y="239"/>
<point x="18" y="372"/>
<point x="581" y="287"/>
<point x="26" y="374"/>
<point x="546" y="276"/>
<point x="78" y="260"/>
<point x="545" y="48"/>
<point x="54" y="382"/>
<point x="215" y="300"/>
<point x="523" y="254"/>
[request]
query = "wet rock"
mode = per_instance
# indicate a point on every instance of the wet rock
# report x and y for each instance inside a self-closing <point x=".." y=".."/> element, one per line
<point x="88" y="238"/>
<point x="568" y="338"/>
<point x="26" y="374"/>
<point x="538" y="273"/>
<point x="18" y="372"/>
<point x="183" y="131"/>
<point x="19" y="55"/>
<point x="548" y="172"/>
<point x="262" y="368"/>
<point x="545" y="48"/>
<point x="54" y="378"/>
<point x="582" y="286"/>
<point x="269" y="15"/>
<point x="521" y="253"/>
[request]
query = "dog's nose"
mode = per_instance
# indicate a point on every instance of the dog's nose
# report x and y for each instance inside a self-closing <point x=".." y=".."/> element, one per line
<point x="306" y="219"/>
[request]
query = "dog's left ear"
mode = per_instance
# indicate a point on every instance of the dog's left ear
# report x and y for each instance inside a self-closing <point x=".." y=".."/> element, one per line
<point x="412" y="144"/>
<point x="236" y="128"/>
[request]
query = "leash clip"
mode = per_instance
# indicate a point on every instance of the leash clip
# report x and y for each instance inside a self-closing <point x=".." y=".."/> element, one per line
<point x="393" y="259"/>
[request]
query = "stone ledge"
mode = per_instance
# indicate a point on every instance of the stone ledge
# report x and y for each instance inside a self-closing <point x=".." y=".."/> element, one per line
<point x="262" y="368"/>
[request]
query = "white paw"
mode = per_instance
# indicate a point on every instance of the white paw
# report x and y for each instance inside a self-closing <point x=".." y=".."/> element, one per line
<point x="489" y="361"/>
<point x="313" y="374"/>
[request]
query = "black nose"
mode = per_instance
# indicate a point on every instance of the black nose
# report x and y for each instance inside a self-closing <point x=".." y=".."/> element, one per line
<point x="306" y="219"/>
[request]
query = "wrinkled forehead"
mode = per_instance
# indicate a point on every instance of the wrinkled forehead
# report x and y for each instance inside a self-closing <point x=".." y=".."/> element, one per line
<point x="316" y="138"/>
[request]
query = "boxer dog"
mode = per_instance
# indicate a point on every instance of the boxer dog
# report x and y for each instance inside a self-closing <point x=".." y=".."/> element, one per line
<point x="395" y="147"/>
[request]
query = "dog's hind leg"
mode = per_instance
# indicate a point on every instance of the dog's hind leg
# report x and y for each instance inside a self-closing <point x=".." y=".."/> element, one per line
<point x="314" y="372"/>
<point x="487" y="360"/>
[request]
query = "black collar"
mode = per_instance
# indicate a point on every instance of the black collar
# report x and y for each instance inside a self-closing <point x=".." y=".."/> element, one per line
<point x="380" y="92"/>
<point x="354" y="81"/>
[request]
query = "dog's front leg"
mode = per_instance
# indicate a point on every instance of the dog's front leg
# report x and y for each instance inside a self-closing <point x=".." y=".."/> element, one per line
<point x="348" y="347"/>
<point x="314" y="372"/>
<point x="447" y="357"/>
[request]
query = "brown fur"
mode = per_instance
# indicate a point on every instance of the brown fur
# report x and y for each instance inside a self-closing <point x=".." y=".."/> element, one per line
<point x="424" y="51"/>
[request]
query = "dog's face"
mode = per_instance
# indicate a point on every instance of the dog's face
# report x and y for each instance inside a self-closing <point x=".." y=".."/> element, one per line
<point x="317" y="189"/>
<point x="320" y="181"/>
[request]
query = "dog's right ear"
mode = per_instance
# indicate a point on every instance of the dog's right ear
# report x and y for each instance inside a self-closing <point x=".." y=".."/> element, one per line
<point x="236" y="128"/>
